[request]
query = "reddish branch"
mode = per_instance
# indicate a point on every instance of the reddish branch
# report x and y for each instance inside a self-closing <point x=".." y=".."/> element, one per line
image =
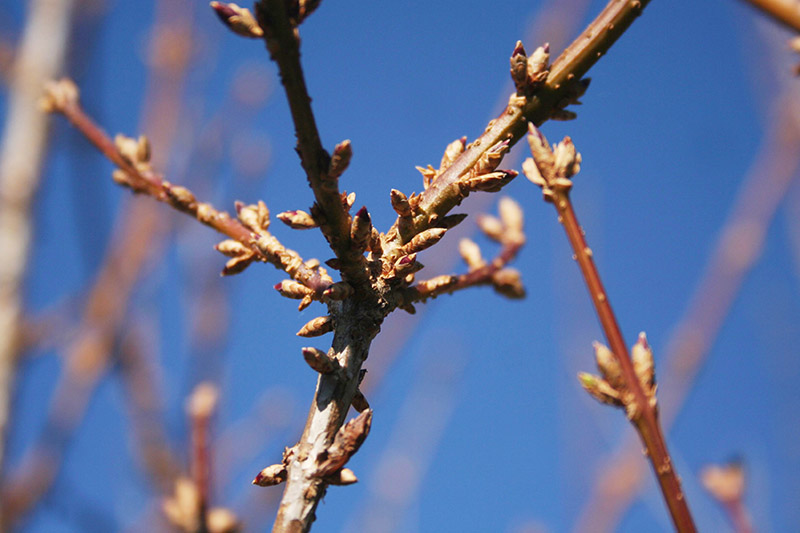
<point x="552" y="170"/>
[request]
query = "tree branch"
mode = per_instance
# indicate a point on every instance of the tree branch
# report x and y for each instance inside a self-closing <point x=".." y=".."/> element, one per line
<point x="785" y="12"/>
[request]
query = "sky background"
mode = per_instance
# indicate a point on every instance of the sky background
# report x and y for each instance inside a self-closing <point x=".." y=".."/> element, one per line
<point x="480" y="423"/>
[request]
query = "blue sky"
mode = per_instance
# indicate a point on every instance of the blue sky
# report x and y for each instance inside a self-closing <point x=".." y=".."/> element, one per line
<point x="480" y="424"/>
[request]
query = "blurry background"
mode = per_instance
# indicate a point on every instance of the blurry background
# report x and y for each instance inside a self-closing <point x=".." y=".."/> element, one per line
<point x="689" y="135"/>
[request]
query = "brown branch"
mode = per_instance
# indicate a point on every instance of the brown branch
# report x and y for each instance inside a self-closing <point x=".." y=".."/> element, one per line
<point x="259" y="244"/>
<point x="21" y="152"/>
<point x="785" y="12"/>
<point x="736" y="251"/>
<point x="552" y="169"/>
<point x="322" y="171"/>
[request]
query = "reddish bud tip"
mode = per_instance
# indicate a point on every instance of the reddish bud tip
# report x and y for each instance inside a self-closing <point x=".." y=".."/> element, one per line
<point x="363" y="213"/>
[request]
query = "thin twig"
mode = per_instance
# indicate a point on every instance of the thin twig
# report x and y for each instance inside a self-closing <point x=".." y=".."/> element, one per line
<point x="552" y="170"/>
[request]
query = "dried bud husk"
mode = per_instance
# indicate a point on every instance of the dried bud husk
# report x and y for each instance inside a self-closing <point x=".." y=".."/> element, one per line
<point x="490" y="159"/>
<point x="400" y="203"/>
<point x="239" y="19"/>
<point x="489" y="182"/>
<point x="320" y="361"/>
<point x="424" y="240"/>
<point x="298" y="219"/>
<point x="316" y="327"/>
<point x="471" y="253"/>
<point x="428" y="175"/>
<point x="643" y="364"/>
<point x="361" y="229"/>
<point x="348" y="440"/>
<point x="600" y="389"/>
<point x="508" y="282"/>
<point x="344" y="476"/>
<point x="293" y="289"/>
<point x="58" y="95"/>
<point x="237" y="264"/>
<point x="338" y="291"/>
<point x="608" y="364"/>
<point x="340" y="160"/>
<point x="271" y="475"/>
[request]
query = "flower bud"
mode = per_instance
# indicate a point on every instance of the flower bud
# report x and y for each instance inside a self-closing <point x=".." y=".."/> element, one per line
<point x="316" y="327"/>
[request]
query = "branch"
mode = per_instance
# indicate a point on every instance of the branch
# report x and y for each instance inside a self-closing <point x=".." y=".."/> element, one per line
<point x="132" y="157"/>
<point x="322" y="170"/>
<point x="627" y="382"/>
<point x="785" y="12"/>
<point x="40" y="57"/>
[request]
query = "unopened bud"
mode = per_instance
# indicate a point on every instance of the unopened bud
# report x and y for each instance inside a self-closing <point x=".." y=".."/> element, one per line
<point x="453" y="150"/>
<point x="340" y="159"/>
<point x="492" y="227"/>
<point x="567" y="160"/>
<point x="319" y="360"/>
<point x="237" y="264"/>
<point x="239" y="19"/>
<point x="58" y="95"/>
<point x="361" y="229"/>
<point x="338" y="291"/>
<point x="298" y="219"/>
<point x="231" y="248"/>
<point x="293" y="289"/>
<point x="316" y="327"/>
<point x="400" y="203"/>
<point x="511" y="215"/>
<point x="508" y="282"/>
<point x="406" y="265"/>
<point x="344" y="476"/>
<point x="424" y="240"/>
<point x="271" y="475"/>
<point x="608" y="364"/>
<point x="180" y="195"/>
<point x="599" y="389"/>
<point x="538" y="64"/>
<point x="255" y="216"/>
<point x="360" y="402"/>
<point x="471" y="253"/>
<point x="643" y="364"/>
<point x="436" y="284"/>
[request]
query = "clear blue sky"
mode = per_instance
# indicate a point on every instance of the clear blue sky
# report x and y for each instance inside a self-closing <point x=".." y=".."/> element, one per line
<point x="482" y="409"/>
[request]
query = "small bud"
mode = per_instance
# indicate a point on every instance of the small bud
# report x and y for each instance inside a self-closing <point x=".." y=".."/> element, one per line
<point x="490" y="159"/>
<point x="206" y="213"/>
<point x="643" y="364"/>
<point x="320" y="361"/>
<point x="255" y="216"/>
<point x="121" y="177"/>
<point x="567" y="160"/>
<point x="143" y="149"/>
<point x="537" y="64"/>
<point x="436" y="284"/>
<point x="128" y="148"/>
<point x="490" y="182"/>
<point x="298" y="219"/>
<point x="511" y="215"/>
<point x="608" y="364"/>
<point x="424" y="240"/>
<point x="471" y="253"/>
<point x="305" y="302"/>
<point x="428" y="175"/>
<point x="599" y="389"/>
<point x="519" y="68"/>
<point x="538" y="144"/>
<point x="221" y="520"/>
<point x="492" y="227"/>
<point x="348" y="440"/>
<point x="726" y="483"/>
<point x="340" y="160"/>
<point x="271" y="475"/>
<point x="531" y="171"/>
<point x="348" y="200"/>
<point x="180" y="195"/>
<point x="407" y="265"/>
<point x="508" y="282"/>
<point x="375" y="244"/>
<point x="338" y="291"/>
<point x="453" y="150"/>
<point x="563" y="115"/>
<point x="361" y="229"/>
<point x="400" y="203"/>
<point x="239" y="19"/>
<point x="237" y="264"/>
<point x="293" y="289"/>
<point x="58" y="95"/>
<point x="344" y="476"/>
<point x="231" y="248"/>
<point x="316" y="327"/>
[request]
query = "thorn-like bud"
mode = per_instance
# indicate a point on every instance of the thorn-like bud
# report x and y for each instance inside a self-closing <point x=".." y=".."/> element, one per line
<point x="58" y="95"/>
<point x="348" y="440"/>
<point x="361" y="229"/>
<point x="471" y="253"/>
<point x="305" y="302"/>
<point x="316" y="327"/>
<point x="298" y="219"/>
<point x="340" y="160"/>
<point x="643" y="365"/>
<point x="320" y="361"/>
<point x="489" y="182"/>
<point x="237" y="264"/>
<point x="492" y="227"/>
<point x="508" y="282"/>
<point x="338" y="291"/>
<point x="608" y="364"/>
<point x="255" y="217"/>
<point x="239" y="19"/>
<point x="424" y="240"/>
<point x="453" y="150"/>
<point x="599" y="389"/>
<point x="360" y="402"/>
<point x="231" y="248"/>
<point x="563" y="115"/>
<point x="451" y="221"/>
<point x="293" y="289"/>
<point x="271" y="475"/>
<point x="400" y="203"/>
<point x="344" y="476"/>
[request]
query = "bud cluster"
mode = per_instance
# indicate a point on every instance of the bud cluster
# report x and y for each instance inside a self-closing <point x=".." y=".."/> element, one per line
<point x="551" y="168"/>
<point x="529" y="73"/>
